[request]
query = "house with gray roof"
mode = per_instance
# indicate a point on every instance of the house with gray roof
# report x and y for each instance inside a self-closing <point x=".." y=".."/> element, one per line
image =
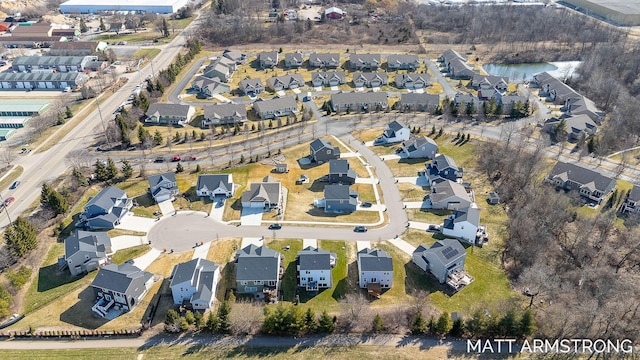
<point x="499" y="83"/>
<point x="41" y="80"/>
<point x="449" y="55"/>
<point x="174" y="114"/>
<point x="359" y="101"/>
<point x="324" y="61"/>
<point x="443" y="167"/>
<point x="463" y="224"/>
<point x="418" y="102"/>
<point x="575" y="127"/>
<point x="264" y="195"/>
<point x="224" y="114"/>
<point x="412" y="81"/>
<point x="313" y="267"/>
<point x="463" y="100"/>
<point x="105" y="210"/>
<point x="369" y="79"/>
<point x="364" y="61"/>
<point x="163" y="187"/>
<point x="591" y="184"/>
<point x="75" y="48"/>
<point x="394" y="132"/>
<point x="403" y="62"/>
<point x="375" y="270"/>
<point x="328" y="78"/>
<point x="583" y="106"/>
<point x="85" y="251"/>
<point x="285" y="82"/>
<point x="51" y="63"/>
<point x="251" y="87"/>
<point x="209" y="87"/>
<point x="238" y="56"/>
<point x="268" y="59"/>
<point x="444" y="259"/>
<point x="553" y="89"/>
<point x="276" y="107"/>
<point x="632" y="202"/>
<point x="509" y="101"/>
<point x="194" y="283"/>
<point x="213" y="185"/>
<point x="339" y="198"/>
<point x="293" y="60"/>
<point x="420" y="147"/>
<point x="258" y="272"/>
<point x="341" y="173"/>
<point x="459" y="69"/>
<point x="119" y="288"/>
<point x="219" y="68"/>
<point x="321" y="151"/>
<point x="449" y="195"/>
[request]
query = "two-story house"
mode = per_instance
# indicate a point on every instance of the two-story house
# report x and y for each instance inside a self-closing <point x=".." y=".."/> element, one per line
<point x="268" y="59"/>
<point x="369" y="79"/>
<point x="105" y="210"/>
<point x="395" y="132"/>
<point x="375" y="270"/>
<point x="412" y="81"/>
<point x="591" y="184"/>
<point x="420" y="147"/>
<point x="419" y="102"/>
<point x="339" y="199"/>
<point x="119" y="288"/>
<point x="444" y="259"/>
<point x="194" y="283"/>
<point x="632" y="202"/>
<point x="449" y="195"/>
<point x="276" y="107"/>
<point x="341" y="173"/>
<point x="328" y="78"/>
<point x="293" y="60"/>
<point x="321" y="151"/>
<point x="314" y="268"/>
<point x="258" y="272"/>
<point x="174" y="114"/>
<point x="264" y="195"/>
<point x="575" y="127"/>
<point x="237" y="56"/>
<point x="163" y="186"/>
<point x="224" y="114"/>
<point x="209" y="87"/>
<point x="251" y="87"/>
<point x="441" y="168"/>
<point x="213" y="185"/>
<point x="324" y="61"/>
<point x="359" y="101"/>
<point x="86" y="251"/>
<point x="463" y="224"/>
<point x="364" y="61"/>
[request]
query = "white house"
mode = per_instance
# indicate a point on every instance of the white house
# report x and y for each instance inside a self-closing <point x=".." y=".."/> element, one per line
<point x="463" y="224"/>
<point x="375" y="270"/>
<point x="215" y="184"/>
<point x="395" y="132"/>
<point x="314" y="268"/>
<point x="442" y="258"/>
<point x="195" y="282"/>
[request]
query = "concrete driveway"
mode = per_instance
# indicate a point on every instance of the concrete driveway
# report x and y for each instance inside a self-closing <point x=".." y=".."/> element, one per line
<point x="127" y="241"/>
<point x="361" y="245"/>
<point x="403" y="245"/>
<point x="390" y="157"/>
<point x="251" y="216"/>
<point x="166" y="208"/>
<point x="136" y="223"/>
<point x="257" y="241"/>
<point x="369" y="180"/>
<point x="416" y="205"/>
<point x="145" y="260"/>
<point x="309" y="242"/>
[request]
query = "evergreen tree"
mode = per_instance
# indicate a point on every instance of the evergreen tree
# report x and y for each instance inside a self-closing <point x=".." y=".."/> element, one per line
<point x="102" y="27"/>
<point x="79" y="177"/>
<point x="157" y="138"/>
<point x="508" y="324"/>
<point x="112" y="170"/>
<point x="177" y="137"/>
<point x="468" y="137"/>
<point x="142" y="134"/>
<point x="127" y="169"/>
<point x="189" y="317"/>
<point x="68" y="113"/>
<point x="101" y="171"/>
<point x="591" y="145"/>
<point x="224" y="325"/>
<point x="83" y="26"/>
<point x="477" y="323"/>
<point x="242" y="159"/>
<point x="203" y="136"/>
<point x="45" y="194"/>
<point x="440" y="132"/>
<point x="20" y="237"/>
<point x="457" y="329"/>
<point x="418" y="325"/>
<point x="310" y="322"/>
<point x="179" y="168"/>
<point x="377" y="325"/>
<point x="171" y="320"/>
<point x="326" y="324"/>
<point x="198" y="169"/>
<point x="527" y="324"/>
<point x="433" y="130"/>
<point x="165" y="28"/>
<point x="52" y="199"/>
<point x="199" y="320"/>
<point x="212" y="323"/>
<point x="159" y="87"/>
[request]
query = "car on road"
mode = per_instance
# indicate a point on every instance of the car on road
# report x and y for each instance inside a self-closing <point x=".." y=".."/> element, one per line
<point x="433" y="228"/>
<point x="159" y="159"/>
<point x="177" y="158"/>
<point x="360" y="229"/>
<point x="366" y="204"/>
<point x="192" y="157"/>
<point x="15" y="184"/>
<point x="9" y="200"/>
<point x="275" y="227"/>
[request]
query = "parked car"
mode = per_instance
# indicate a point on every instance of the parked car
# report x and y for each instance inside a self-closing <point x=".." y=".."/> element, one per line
<point x="159" y="159"/>
<point x="360" y="229"/>
<point x="177" y="158"/>
<point x="366" y="204"/>
<point x="275" y="227"/>
<point x="192" y="157"/>
<point x="15" y="184"/>
<point x="8" y="201"/>
<point x="433" y="228"/>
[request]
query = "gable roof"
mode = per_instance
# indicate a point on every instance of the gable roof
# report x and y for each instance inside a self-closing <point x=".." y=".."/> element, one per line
<point x="374" y="260"/>
<point x="324" y="58"/>
<point x="347" y="98"/>
<point x="402" y="59"/>
<point x="447" y="251"/>
<point x="319" y="144"/>
<point x="271" y="56"/>
<point x="268" y="191"/>
<point x="257" y="263"/>
<point x="420" y="99"/>
<point x="327" y="75"/>
<point x="234" y="55"/>
<point x="173" y="110"/>
<point x="191" y="271"/>
<point x="93" y="242"/>
<point x="575" y="124"/>
<point x="214" y="181"/>
<point x="442" y="162"/>
<point x="314" y="259"/>
<point x="107" y="198"/>
<point x="296" y="57"/>
<point x="392" y="128"/>
<point x="450" y="54"/>
<point x="364" y="59"/>
<point x="492" y="80"/>
<point x="582" y="176"/>
<point x="220" y="111"/>
<point x="418" y="141"/>
<point x="445" y="189"/>
<point x="75" y="45"/>
<point x="368" y="77"/>
<point x="469" y="214"/>
<point x="277" y="103"/>
<point x="250" y="84"/>
<point x="634" y="194"/>
<point x="125" y="279"/>
<point x="337" y="192"/>
<point x="286" y="80"/>
<point x="338" y="166"/>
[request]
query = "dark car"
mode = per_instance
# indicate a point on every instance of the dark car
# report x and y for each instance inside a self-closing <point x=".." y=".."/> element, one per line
<point x="366" y="204"/>
<point x="15" y="185"/>
<point x="360" y="229"/>
<point x="275" y="227"/>
<point x="433" y="228"/>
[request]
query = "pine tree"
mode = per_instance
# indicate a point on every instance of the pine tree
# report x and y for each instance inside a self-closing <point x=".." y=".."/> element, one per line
<point x="468" y="137"/>
<point x="212" y="322"/>
<point x="508" y="325"/>
<point x="433" y="130"/>
<point x="440" y="132"/>
<point x="203" y="136"/>
<point x="157" y="138"/>
<point x="224" y="325"/>
<point x="165" y="28"/>
<point x="83" y="26"/>
<point x="102" y="27"/>
<point x="377" y="325"/>
<point x="179" y="168"/>
<point x="242" y="159"/>
<point x="127" y="169"/>
<point x="112" y="170"/>
<point x="527" y="324"/>
<point x="79" y="177"/>
<point x="101" y="171"/>
<point x="57" y="203"/>
<point x="199" y="320"/>
<point x="326" y="324"/>
<point x="20" y="237"/>
<point x="68" y="113"/>
<point x="418" y="325"/>
<point x="443" y="325"/>
<point x="457" y="329"/>
<point x="142" y="134"/>
<point x="189" y="317"/>
<point x="198" y="169"/>
<point x="310" y="322"/>
<point x="45" y="194"/>
<point x="177" y="137"/>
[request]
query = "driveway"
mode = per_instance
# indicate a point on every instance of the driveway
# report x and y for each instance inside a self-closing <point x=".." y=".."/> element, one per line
<point x="390" y="157"/>
<point x="145" y="260"/>
<point x="201" y="251"/>
<point x="257" y="241"/>
<point x="416" y="205"/>
<point x="369" y="180"/>
<point x="127" y="241"/>
<point x="361" y="245"/>
<point x="217" y="212"/>
<point x="166" y="207"/>
<point x="136" y="223"/>
<point x="403" y="245"/>
<point x="408" y="179"/>
<point x="251" y="216"/>
<point x="309" y="242"/>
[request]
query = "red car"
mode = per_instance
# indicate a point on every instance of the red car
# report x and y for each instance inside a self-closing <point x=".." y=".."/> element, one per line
<point x="192" y="157"/>
<point x="8" y="201"/>
<point x="177" y="158"/>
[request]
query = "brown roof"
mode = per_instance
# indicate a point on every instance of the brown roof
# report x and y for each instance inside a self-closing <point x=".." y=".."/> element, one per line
<point x="33" y="30"/>
<point x="75" y="45"/>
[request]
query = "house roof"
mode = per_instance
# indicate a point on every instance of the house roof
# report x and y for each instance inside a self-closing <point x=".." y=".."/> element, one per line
<point x="469" y="214"/>
<point x="107" y="198"/>
<point x="325" y="58"/>
<point x="334" y="9"/>
<point x="125" y="279"/>
<point x="442" y="162"/>
<point x="464" y="98"/>
<point x="319" y="144"/>
<point x="191" y="271"/>
<point x="285" y="80"/>
<point x="488" y="79"/>
<point x="411" y="77"/>
<point x="338" y="166"/>
<point x="460" y="67"/>
<point x="214" y="181"/>
<point x="234" y="55"/>
<point x="211" y="83"/>
<point x="512" y="99"/>
<point x="324" y="75"/>
<point x="364" y="59"/>
<point x="94" y="242"/>
<point x="268" y="191"/>
<point x="582" y="176"/>
<point x="257" y="263"/>
<point x="49" y="60"/>
<point x="402" y="59"/>
<point x="336" y="192"/>
<point x="296" y="56"/>
<point x="392" y="128"/>
<point x="447" y="251"/>
<point x="220" y="111"/>
<point x="174" y="110"/>
<point x="368" y="77"/>
<point x="374" y="260"/>
<point x="347" y="98"/>
<point x="575" y="124"/>
<point x="277" y="103"/>
<point x="218" y="66"/>
<point x="634" y="194"/>
<point x="419" y="99"/>
<point x="268" y="56"/>
<point x="162" y="183"/>
<point x="418" y="141"/>
<point x="451" y="54"/>
<point x="312" y="258"/>
<point x="446" y="189"/>
<point x="75" y="45"/>
<point x="249" y="84"/>
<point x="71" y="76"/>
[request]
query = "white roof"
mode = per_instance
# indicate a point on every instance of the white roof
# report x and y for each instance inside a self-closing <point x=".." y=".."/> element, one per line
<point x="128" y="3"/>
<point x="334" y="9"/>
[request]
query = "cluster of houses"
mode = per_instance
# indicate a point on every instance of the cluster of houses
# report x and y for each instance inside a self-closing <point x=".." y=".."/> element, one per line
<point x="216" y="76"/>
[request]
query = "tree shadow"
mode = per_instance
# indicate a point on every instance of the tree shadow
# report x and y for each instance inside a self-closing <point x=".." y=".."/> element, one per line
<point x="317" y="212"/>
<point x="161" y="302"/>
<point x="80" y="314"/>
<point x="288" y="284"/>
<point x="69" y="228"/>
<point x="317" y="185"/>
<point x="50" y="277"/>
<point x="412" y="161"/>
<point x="417" y="279"/>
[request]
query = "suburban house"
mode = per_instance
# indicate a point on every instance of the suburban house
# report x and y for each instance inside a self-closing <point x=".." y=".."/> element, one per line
<point x="583" y="106"/>
<point x="324" y="61"/>
<point x="449" y="195"/>
<point x="418" y="102"/>
<point x="463" y="224"/>
<point x="364" y="61"/>
<point x="258" y="272"/>
<point x="395" y="132"/>
<point x="420" y="147"/>
<point x="575" y="127"/>
<point x="264" y="195"/>
<point x="553" y="89"/>
<point x="209" y="87"/>
<point x="449" y="55"/>
<point x="591" y="184"/>
<point x="458" y="69"/>
<point x="194" y="283"/>
<point x="509" y="101"/>
<point x="340" y="173"/>
<point x="370" y="79"/>
<point x="221" y="68"/>
<point x="632" y="202"/>
<point x="412" y="81"/>
<point x="119" y="288"/>
<point x="174" y="114"/>
<point x="238" y="56"/>
<point x="213" y="185"/>
<point x="314" y="268"/>
<point x="321" y="151"/>
<point x="276" y="107"/>
<point x="443" y="166"/>
<point x="332" y="78"/>
<point x="251" y="87"/>
<point x="105" y="210"/>
<point x="375" y="270"/>
<point x="403" y="62"/>
<point x="445" y="260"/>
<point x="163" y="186"/>
<point x="487" y="82"/>
<point x="463" y="100"/>
<point x="85" y="251"/>
<point x="293" y="60"/>
<point x="339" y="198"/>
<point x="224" y="114"/>
<point x="268" y="59"/>
<point x="285" y="82"/>
<point x="334" y="13"/>
<point x="359" y="101"/>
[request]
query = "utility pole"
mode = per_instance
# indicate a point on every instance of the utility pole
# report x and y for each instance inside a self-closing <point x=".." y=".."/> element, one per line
<point x="6" y="210"/>
<point x="104" y="127"/>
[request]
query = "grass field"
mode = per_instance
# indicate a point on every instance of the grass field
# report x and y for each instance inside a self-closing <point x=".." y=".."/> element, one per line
<point x="11" y="177"/>
<point x="145" y="54"/>
<point x="130" y="253"/>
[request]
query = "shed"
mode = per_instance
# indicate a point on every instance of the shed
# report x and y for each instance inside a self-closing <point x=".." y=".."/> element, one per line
<point x="281" y="168"/>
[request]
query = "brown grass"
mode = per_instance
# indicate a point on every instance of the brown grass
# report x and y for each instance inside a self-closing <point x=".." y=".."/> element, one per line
<point x="165" y="262"/>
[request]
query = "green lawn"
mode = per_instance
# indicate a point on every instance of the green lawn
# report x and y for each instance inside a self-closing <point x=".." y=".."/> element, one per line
<point x="288" y="283"/>
<point x="430" y="216"/>
<point x="145" y="53"/>
<point x="328" y="299"/>
<point x="11" y="177"/>
<point x="130" y="253"/>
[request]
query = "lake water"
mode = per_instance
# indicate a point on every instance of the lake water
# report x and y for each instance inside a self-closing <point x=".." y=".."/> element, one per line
<point x="519" y="72"/>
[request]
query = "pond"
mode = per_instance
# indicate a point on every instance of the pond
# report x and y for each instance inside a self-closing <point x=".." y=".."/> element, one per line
<point x="519" y="72"/>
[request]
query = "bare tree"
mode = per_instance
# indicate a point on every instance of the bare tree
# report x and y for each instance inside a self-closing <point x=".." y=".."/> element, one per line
<point x="246" y="318"/>
<point x="7" y="156"/>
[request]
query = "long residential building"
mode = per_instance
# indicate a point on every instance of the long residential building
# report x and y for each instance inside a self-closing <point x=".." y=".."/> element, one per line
<point x="143" y="6"/>
<point x="51" y="63"/>
<point x="41" y="81"/>
<point x="359" y="101"/>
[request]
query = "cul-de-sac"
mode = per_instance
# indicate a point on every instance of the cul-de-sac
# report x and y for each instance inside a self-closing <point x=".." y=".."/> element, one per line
<point x="314" y="179"/>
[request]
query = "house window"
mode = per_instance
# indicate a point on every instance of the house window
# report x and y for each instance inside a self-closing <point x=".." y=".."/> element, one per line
<point x="303" y="279"/>
<point x="373" y="280"/>
<point x="258" y="282"/>
<point x="243" y="283"/>
<point x="272" y="283"/>
<point x="251" y="289"/>
<point x="307" y="272"/>
<point x="328" y="152"/>
<point x="322" y="278"/>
